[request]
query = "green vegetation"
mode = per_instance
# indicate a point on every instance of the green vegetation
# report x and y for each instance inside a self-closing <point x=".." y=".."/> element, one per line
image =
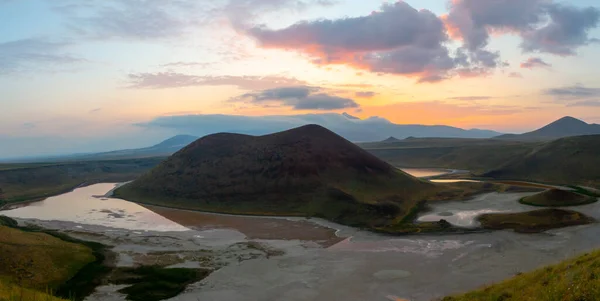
<point x="585" y="191"/>
<point x="476" y="155"/>
<point x="557" y="198"/>
<point x="152" y="283"/>
<point x="571" y="160"/>
<point x="566" y="160"/>
<point x="48" y="260"/>
<point x="27" y="182"/>
<point x="308" y="171"/>
<point x="38" y="260"/>
<point x="534" y="221"/>
<point x="577" y="279"/>
<point x="13" y="292"/>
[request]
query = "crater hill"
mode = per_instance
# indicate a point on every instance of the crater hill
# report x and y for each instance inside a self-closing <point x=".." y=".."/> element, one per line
<point x="307" y="171"/>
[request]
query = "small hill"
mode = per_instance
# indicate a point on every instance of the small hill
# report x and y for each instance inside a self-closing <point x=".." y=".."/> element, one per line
<point x="571" y="280"/>
<point x="572" y="160"/>
<point x="564" y="127"/>
<point x="306" y="171"/>
<point x="391" y="140"/>
<point x="557" y="198"/>
<point x="534" y="221"/>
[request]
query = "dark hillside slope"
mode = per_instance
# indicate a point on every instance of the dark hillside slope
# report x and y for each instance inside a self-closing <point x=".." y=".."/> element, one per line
<point x="572" y="160"/>
<point x="303" y="171"/>
<point x="476" y="155"/>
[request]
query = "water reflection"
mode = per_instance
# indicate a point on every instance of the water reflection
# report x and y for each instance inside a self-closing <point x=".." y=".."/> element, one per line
<point x="88" y="206"/>
<point x="465" y="213"/>
<point x="425" y="172"/>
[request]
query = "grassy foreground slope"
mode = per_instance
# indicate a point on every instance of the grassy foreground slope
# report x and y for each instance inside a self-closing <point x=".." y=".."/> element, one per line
<point x="23" y="182"/>
<point x="12" y="292"/>
<point x="577" y="279"/>
<point x="572" y="160"/>
<point x="304" y="171"/>
<point x="38" y="260"/>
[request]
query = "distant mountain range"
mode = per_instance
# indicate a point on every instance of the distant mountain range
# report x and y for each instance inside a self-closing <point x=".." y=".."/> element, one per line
<point x="348" y="126"/>
<point x="564" y="127"/>
<point x="165" y="148"/>
<point x="345" y="125"/>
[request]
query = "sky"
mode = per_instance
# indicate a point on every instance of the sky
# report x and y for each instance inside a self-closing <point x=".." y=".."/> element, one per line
<point x="81" y="76"/>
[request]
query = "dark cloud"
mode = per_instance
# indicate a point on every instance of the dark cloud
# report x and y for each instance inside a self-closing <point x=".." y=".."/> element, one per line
<point x="544" y="25"/>
<point x="398" y="39"/>
<point x="585" y="103"/>
<point x="35" y="55"/>
<point x="575" y="96"/>
<point x="573" y="92"/>
<point x="96" y="110"/>
<point x="567" y="30"/>
<point x="365" y="94"/>
<point x="165" y="80"/>
<point x="298" y="98"/>
<point x="534" y="62"/>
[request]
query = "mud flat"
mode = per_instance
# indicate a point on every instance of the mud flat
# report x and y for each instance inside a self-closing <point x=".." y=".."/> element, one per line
<point x="252" y="227"/>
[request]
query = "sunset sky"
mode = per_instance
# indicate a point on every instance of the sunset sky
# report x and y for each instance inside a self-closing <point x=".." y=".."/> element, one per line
<point x="92" y="75"/>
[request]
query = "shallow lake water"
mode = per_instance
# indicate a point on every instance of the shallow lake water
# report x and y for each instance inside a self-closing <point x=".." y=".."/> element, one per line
<point x="87" y="205"/>
<point x="363" y="266"/>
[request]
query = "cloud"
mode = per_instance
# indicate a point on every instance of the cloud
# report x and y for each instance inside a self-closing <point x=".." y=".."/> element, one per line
<point x="365" y="94"/>
<point x="575" y="96"/>
<point x="534" y="62"/>
<point x="29" y="125"/>
<point x="34" y="55"/>
<point x="573" y="92"/>
<point x="132" y="19"/>
<point x="585" y="103"/>
<point x="186" y="64"/>
<point x="567" y="30"/>
<point x="96" y="110"/>
<point x="544" y="25"/>
<point x="515" y="75"/>
<point x="160" y="19"/>
<point x="470" y="98"/>
<point x="165" y="80"/>
<point x="398" y="39"/>
<point x="242" y="12"/>
<point x="298" y="98"/>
